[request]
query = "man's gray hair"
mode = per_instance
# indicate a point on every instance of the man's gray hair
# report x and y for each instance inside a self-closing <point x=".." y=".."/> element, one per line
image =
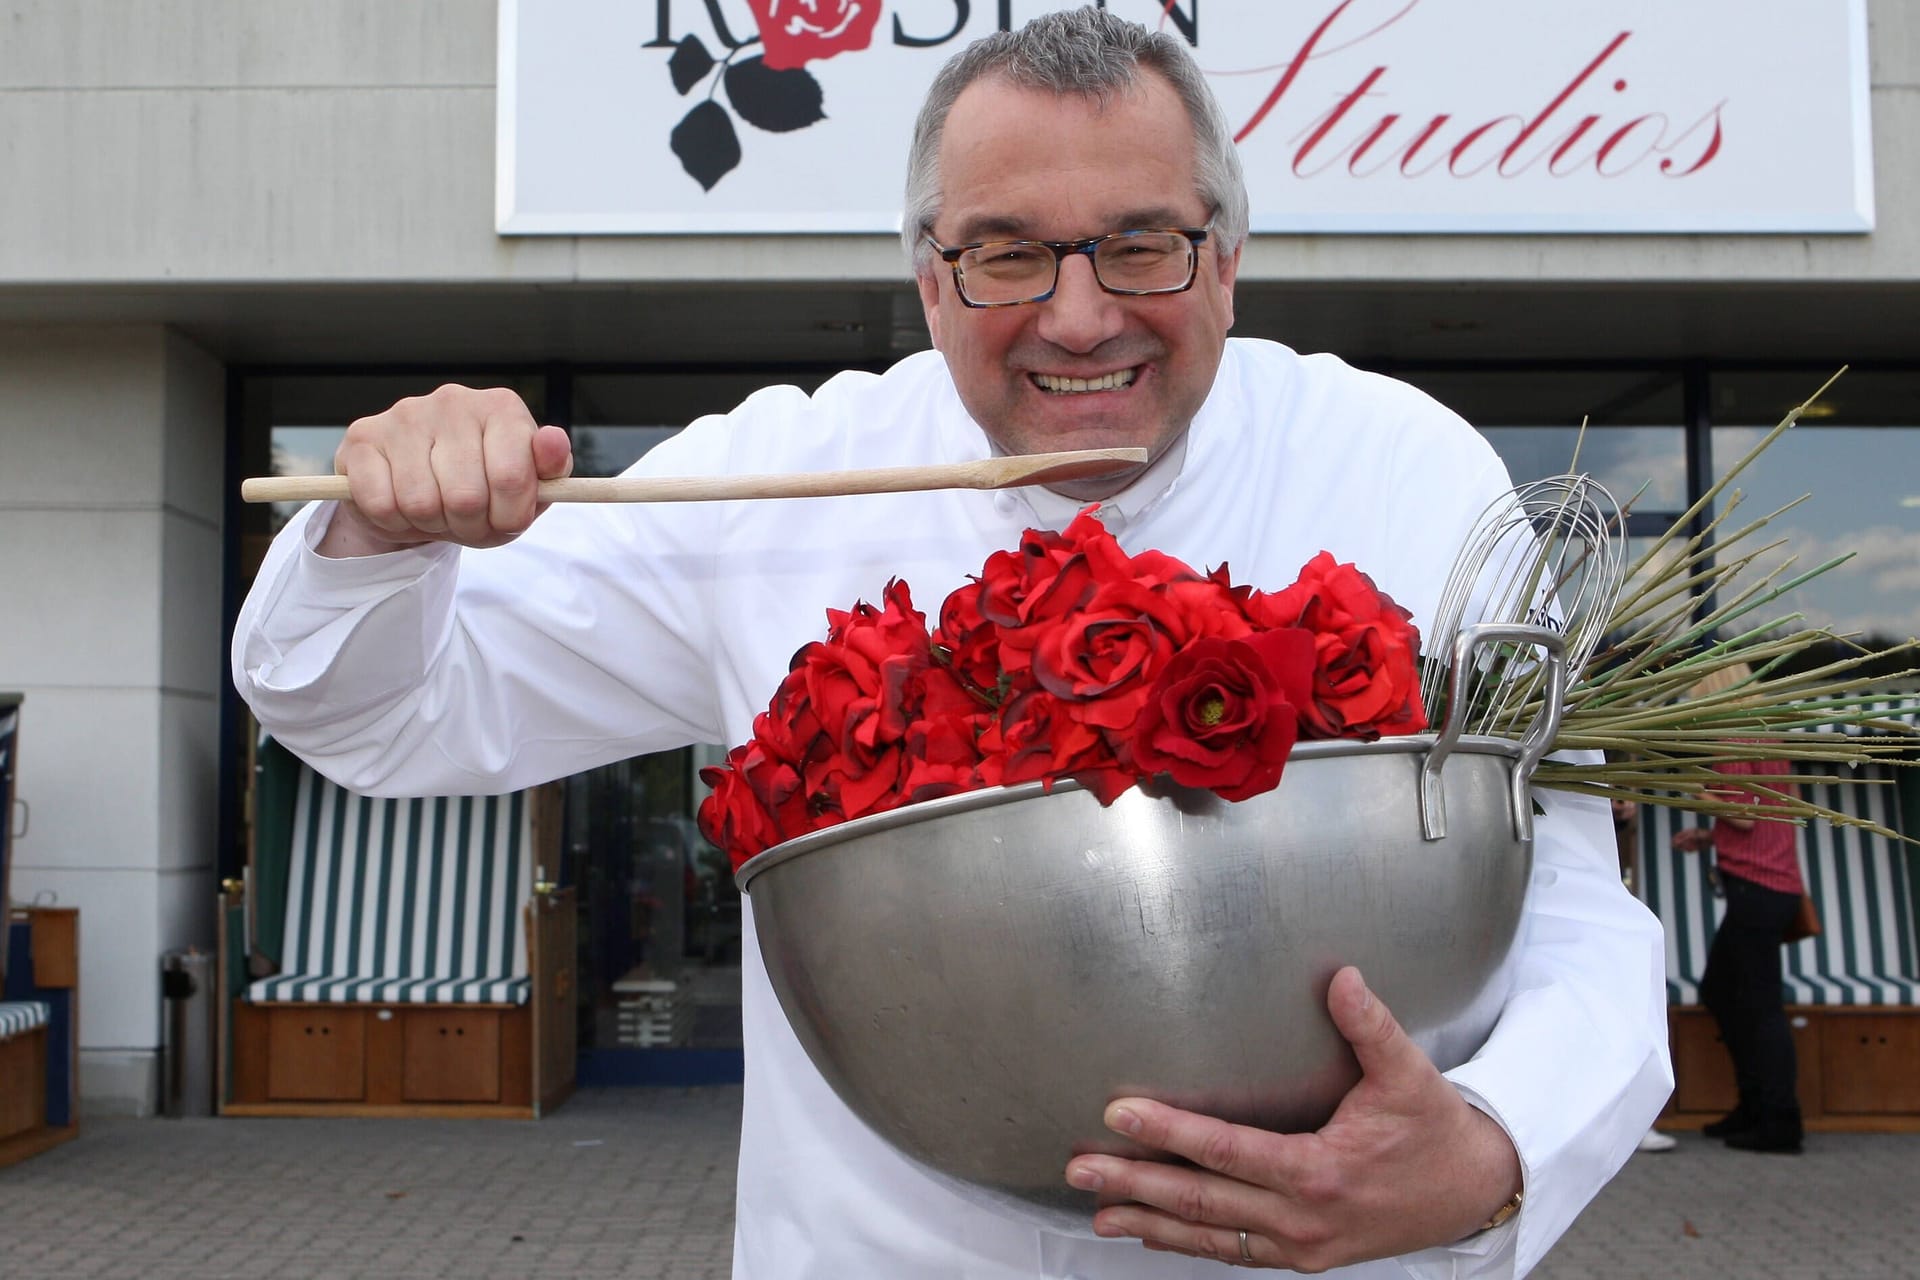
<point x="1094" y="54"/>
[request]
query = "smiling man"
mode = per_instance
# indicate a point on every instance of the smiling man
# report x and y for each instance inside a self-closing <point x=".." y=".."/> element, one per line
<point x="1135" y="286"/>
<point x="1075" y="215"/>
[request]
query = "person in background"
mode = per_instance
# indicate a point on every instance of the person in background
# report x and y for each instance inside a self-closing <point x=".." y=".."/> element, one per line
<point x="1757" y="863"/>
<point x="1075" y="216"/>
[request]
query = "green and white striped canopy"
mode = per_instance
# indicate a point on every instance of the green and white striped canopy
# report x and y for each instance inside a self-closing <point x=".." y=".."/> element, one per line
<point x="17" y="1017"/>
<point x="1861" y="882"/>
<point x="405" y="901"/>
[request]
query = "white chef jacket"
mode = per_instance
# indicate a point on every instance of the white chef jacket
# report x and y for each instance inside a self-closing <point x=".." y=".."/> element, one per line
<point x="607" y="631"/>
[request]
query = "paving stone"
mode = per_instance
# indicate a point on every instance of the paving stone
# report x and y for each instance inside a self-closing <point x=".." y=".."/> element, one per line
<point x="1844" y="1209"/>
<point x="624" y="1183"/>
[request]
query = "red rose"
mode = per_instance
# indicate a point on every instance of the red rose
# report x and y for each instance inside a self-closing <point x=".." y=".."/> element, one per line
<point x="1367" y="674"/>
<point x="861" y="679"/>
<point x="1067" y="658"/>
<point x="1209" y="606"/>
<point x="1155" y="568"/>
<point x="1224" y="714"/>
<point x="1105" y="655"/>
<point x="966" y="643"/>
<point x="1035" y="739"/>
<point x="831" y="744"/>
<point x="1010" y="579"/>
<point x="840" y="690"/>
<point x="1092" y="624"/>
<point x="943" y="743"/>
<point x="864" y="685"/>
<point x="796" y="32"/>
<point x="788" y="728"/>
<point x="807" y="727"/>
<point x="756" y="799"/>
<point x="895" y="641"/>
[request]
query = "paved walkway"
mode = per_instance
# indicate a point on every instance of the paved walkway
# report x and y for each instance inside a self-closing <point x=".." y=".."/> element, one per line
<point x="639" y="1183"/>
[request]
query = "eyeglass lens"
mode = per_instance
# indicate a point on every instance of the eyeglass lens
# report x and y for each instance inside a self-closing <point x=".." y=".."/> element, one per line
<point x="1131" y="262"/>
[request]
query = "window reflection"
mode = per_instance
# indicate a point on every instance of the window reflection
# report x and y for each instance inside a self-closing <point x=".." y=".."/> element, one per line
<point x="1556" y="397"/>
<point x="617" y="417"/>
<point x="300" y="451"/>
<point x="1644" y="468"/>
<point x="1634" y="442"/>
<point x="1856" y="457"/>
<point x="660" y="918"/>
<point x="609" y="450"/>
<point x="1647" y="560"/>
<point x="1862" y="488"/>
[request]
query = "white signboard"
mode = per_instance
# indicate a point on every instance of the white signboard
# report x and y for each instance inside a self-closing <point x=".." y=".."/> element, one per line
<point x="623" y="116"/>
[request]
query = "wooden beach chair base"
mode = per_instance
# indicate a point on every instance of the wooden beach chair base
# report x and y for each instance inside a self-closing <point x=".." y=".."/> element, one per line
<point x="386" y="1060"/>
<point x="1857" y="1069"/>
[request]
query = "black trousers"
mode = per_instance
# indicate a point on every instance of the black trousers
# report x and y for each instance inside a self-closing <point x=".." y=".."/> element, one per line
<point x="1741" y="989"/>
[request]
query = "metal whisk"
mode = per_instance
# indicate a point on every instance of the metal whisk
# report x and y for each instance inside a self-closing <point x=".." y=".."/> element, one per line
<point x="1549" y="554"/>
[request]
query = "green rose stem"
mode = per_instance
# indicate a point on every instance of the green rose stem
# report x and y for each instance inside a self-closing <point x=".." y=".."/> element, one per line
<point x="1632" y="699"/>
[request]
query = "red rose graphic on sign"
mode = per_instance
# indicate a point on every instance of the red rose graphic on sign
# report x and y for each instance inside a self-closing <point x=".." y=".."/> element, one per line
<point x="770" y="90"/>
<point x="796" y="32"/>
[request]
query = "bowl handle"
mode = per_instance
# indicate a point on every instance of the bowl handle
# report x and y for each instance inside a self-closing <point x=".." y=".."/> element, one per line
<point x="1534" y="746"/>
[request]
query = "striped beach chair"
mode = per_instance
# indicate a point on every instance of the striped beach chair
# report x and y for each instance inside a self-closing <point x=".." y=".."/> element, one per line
<point x="1852" y="991"/>
<point x="22" y="1082"/>
<point x="405" y="901"/>
<point x="397" y="956"/>
<point x="39" y="983"/>
<point x="36" y="1054"/>
<point x="27" y="1047"/>
<point x="39" y="975"/>
<point x="1861" y="882"/>
<point x="9" y="751"/>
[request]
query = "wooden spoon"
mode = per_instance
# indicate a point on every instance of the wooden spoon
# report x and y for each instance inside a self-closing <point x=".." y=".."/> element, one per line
<point x="988" y="473"/>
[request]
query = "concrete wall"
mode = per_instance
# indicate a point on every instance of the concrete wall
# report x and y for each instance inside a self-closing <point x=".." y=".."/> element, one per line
<point x="110" y="515"/>
<point x="215" y="141"/>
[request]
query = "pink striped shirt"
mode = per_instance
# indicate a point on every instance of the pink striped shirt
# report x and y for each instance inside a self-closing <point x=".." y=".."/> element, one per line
<point x="1767" y="852"/>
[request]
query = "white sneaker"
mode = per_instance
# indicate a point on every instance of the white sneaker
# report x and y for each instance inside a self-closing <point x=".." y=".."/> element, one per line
<point x="1654" y="1140"/>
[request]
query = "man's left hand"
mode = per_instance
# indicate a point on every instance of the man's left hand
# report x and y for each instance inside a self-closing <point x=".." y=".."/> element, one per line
<point x="1404" y="1164"/>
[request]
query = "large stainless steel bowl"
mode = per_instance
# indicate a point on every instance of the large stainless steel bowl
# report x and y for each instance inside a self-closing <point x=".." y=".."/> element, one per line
<point x="978" y="976"/>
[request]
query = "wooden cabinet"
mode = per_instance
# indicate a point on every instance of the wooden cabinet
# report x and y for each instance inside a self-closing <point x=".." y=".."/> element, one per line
<point x="316" y="1053"/>
<point x="56" y="947"/>
<point x="23" y="1068"/>
<point x="1703" y="1073"/>
<point x="311" y="1059"/>
<point x="1858" y="1068"/>
<point x="451" y="1055"/>
<point x="1871" y="1062"/>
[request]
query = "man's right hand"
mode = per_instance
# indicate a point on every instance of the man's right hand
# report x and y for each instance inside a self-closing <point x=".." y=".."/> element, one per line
<point x="458" y="465"/>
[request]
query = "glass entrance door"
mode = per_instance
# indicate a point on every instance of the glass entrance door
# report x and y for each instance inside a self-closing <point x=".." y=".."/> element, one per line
<point x="660" y="916"/>
<point x="659" y="964"/>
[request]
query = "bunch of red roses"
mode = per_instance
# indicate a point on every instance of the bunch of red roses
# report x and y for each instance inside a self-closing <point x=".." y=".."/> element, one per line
<point x="1067" y="658"/>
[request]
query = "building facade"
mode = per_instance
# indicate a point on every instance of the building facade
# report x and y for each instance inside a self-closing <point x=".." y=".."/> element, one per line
<point x="229" y="227"/>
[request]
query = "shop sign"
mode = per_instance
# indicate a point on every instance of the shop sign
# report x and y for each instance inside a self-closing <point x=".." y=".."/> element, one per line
<point x="1585" y="116"/>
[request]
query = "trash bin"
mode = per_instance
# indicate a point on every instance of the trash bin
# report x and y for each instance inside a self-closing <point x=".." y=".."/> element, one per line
<point x="186" y="1032"/>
